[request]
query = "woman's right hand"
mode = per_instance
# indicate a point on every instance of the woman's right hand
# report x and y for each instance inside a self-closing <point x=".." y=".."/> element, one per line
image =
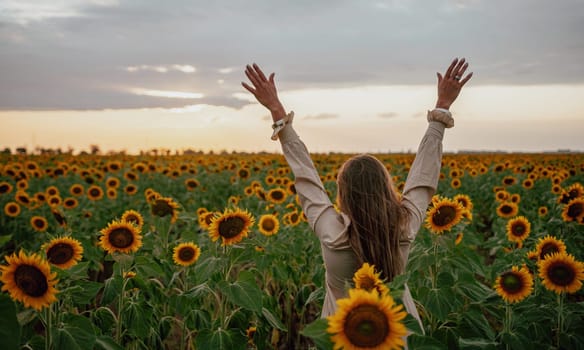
<point x="451" y="83"/>
<point x="264" y="90"/>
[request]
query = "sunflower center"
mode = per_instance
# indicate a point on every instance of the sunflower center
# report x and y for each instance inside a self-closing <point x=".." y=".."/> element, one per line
<point x="575" y="210"/>
<point x="39" y="223"/>
<point x="548" y="248"/>
<point x="121" y="238"/>
<point x="444" y="215"/>
<point x="60" y="253"/>
<point x="277" y="195"/>
<point x="161" y="208"/>
<point x="511" y="282"/>
<point x="4" y="188"/>
<point x="518" y="229"/>
<point x="133" y="219"/>
<point x="231" y="227"/>
<point x="94" y="192"/>
<point x="561" y="274"/>
<point x="31" y="280"/>
<point x="367" y="283"/>
<point x="186" y="254"/>
<point x="366" y="326"/>
<point x="12" y="209"/>
<point x="268" y="225"/>
<point x="506" y="209"/>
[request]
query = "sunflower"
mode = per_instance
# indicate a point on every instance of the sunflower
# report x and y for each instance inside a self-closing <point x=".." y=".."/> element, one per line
<point x="41" y="197"/>
<point x="131" y="189"/>
<point x="514" y="285"/>
<point x="542" y="211"/>
<point x="243" y="173"/>
<point x="465" y="201"/>
<point x="164" y="206"/>
<point x="365" y="320"/>
<point x="509" y="180"/>
<point x="131" y="176"/>
<point x="206" y="218"/>
<point x="292" y="218"/>
<point x="29" y="280"/>
<point x="549" y="245"/>
<point x="39" y="223"/>
<point x="231" y="226"/>
<point x="186" y="254"/>
<point x="518" y="229"/>
<point x="502" y="195"/>
<point x="574" y="210"/>
<point x="269" y="225"/>
<point x="575" y="190"/>
<point x="54" y="201"/>
<point x="515" y="198"/>
<point x="94" y="193"/>
<point x="560" y="272"/>
<point x="61" y="220"/>
<point x="5" y="187"/>
<point x="52" y="191"/>
<point x="277" y="195"/>
<point x="112" y="182"/>
<point x="527" y="184"/>
<point x="444" y="214"/>
<point x="22" y="197"/>
<point x="191" y="184"/>
<point x="366" y="278"/>
<point x="70" y="203"/>
<point x="249" y="333"/>
<point x="455" y="183"/>
<point x="248" y="191"/>
<point x="133" y="217"/>
<point x="12" y="209"/>
<point x="507" y="210"/>
<point x="120" y="236"/>
<point x="63" y="252"/>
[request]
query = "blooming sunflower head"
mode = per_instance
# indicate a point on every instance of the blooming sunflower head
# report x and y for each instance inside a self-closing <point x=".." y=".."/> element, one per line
<point x="549" y="245"/>
<point x="561" y="272"/>
<point x="518" y="229"/>
<point x="507" y="209"/>
<point x="63" y="252"/>
<point x="366" y="278"/>
<point x="186" y="254"/>
<point x="574" y="210"/>
<point x="165" y="206"/>
<point x="277" y="195"/>
<point x="231" y="226"/>
<point x="121" y="236"/>
<point x="444" y="214"/>
<point x="134" y="217"/>
<point x="39" y="223"/>
<point x="365" y="320"/>
<point x="268" y="224"/>
<point x="28" y="279"/>
<point x="514" y="285"/>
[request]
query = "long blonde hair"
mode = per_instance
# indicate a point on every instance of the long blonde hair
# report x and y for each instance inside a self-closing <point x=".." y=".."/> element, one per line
<point x="378" y="219"/>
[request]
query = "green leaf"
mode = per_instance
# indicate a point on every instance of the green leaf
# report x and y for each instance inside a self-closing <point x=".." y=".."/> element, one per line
<point x="476" y="343"/>
<point x="273" y="320"/>
<point x="422" y="342"/>
<point x="106" y="343"/>
<point x="244" y="292"/>
<point x="9" y="326"/>
<point x="220" y="339"/>
<point x="111" y="289"/>
<point x="317" y="332"/>
<point x="4" y="240"/>
<point x="88" y="291"/>
<point x="75" y="333"/>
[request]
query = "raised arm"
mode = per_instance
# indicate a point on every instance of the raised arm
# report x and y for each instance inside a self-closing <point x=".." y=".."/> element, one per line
<point x="424" y="174"/>
<point x="313" y="196"/>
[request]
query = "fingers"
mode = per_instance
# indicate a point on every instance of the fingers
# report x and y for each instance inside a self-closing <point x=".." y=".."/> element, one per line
<point x="252" y="76"/>
<point x="448" y="73"/>
<point x="467" y="78"/>
<point x="259" y="72"/>
<point x="248" y="88"/>
<point x="439" y="77"/>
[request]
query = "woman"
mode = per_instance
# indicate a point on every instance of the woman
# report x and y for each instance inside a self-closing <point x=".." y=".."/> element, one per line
<point x="374" y="225"/>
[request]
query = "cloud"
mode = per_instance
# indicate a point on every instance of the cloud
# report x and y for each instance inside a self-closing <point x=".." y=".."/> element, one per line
<point x="167" y="94"/>
<point x="78" y="54"/>
<point x="388" y="115"/>
<point x="321" y="116"/>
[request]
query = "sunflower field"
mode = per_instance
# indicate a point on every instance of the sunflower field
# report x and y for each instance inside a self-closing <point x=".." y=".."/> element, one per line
<point x="212" y="251"/>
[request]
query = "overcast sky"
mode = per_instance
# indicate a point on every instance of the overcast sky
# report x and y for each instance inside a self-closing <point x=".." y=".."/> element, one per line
<point x="117" y="54"/>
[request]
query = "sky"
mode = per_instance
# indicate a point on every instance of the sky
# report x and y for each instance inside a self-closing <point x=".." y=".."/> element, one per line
<point x="360" y="75"/>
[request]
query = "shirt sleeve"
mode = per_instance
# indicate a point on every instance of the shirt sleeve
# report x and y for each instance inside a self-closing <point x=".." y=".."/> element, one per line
<point x="422" y="180"/>
<point x="322" y="217"/>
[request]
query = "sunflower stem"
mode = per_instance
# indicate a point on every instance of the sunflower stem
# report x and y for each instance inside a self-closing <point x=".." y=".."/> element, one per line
<point x="48" y="316"/>
<point x="121" y="303"/>
<point x="560" y="319"/>
<point x="507" y="321"/>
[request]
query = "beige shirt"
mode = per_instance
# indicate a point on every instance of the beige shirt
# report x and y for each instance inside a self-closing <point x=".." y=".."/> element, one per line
<point x="331" y="226"/>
